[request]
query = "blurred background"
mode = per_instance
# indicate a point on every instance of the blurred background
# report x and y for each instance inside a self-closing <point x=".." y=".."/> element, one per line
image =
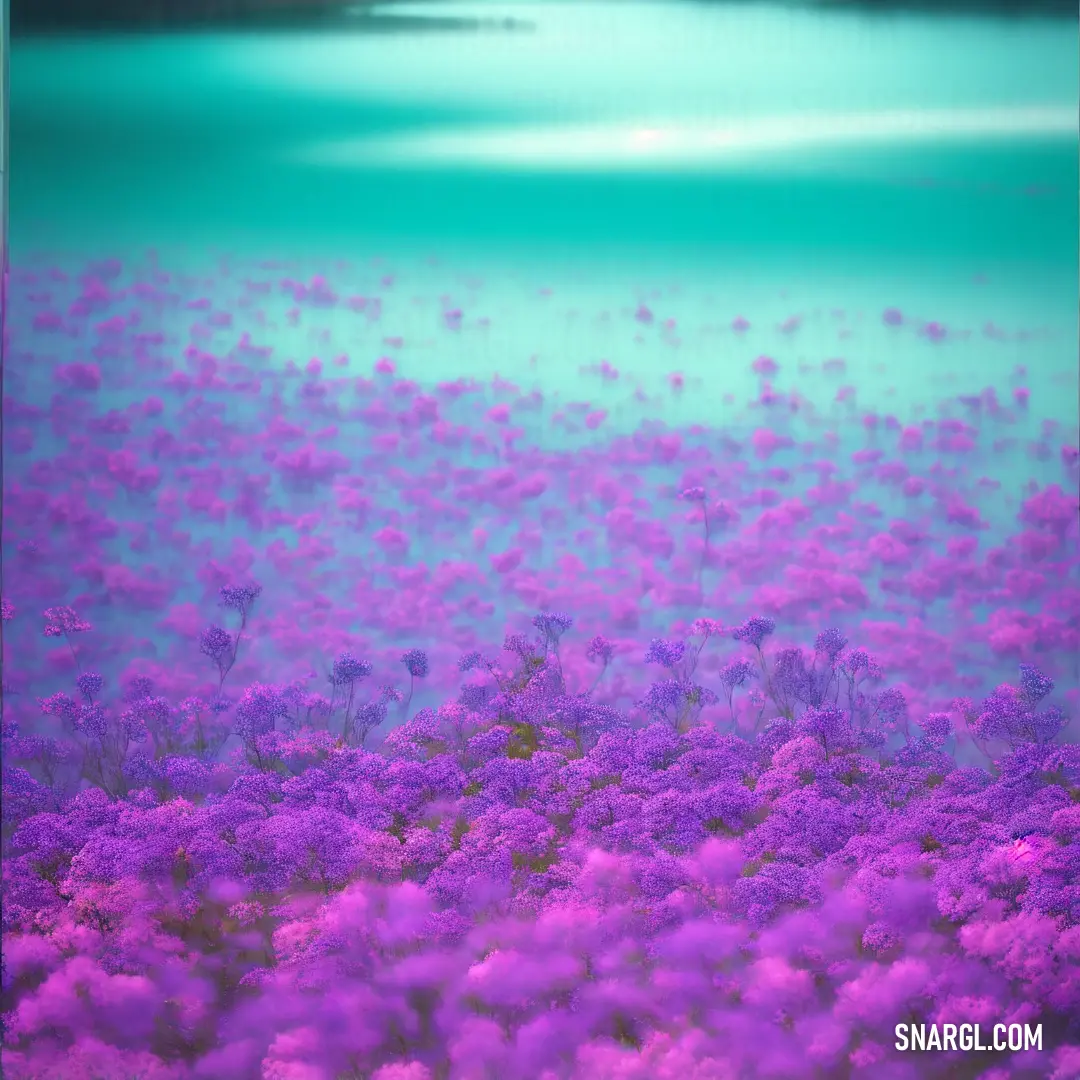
<point x="785" y="156"/>
<point x="866" y="199"/>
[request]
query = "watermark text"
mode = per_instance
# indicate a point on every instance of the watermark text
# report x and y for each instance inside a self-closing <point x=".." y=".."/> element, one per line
<point x="1000" y="1037"/>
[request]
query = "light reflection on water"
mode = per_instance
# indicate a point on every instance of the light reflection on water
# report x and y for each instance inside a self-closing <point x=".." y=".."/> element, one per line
<point x="796" y="139"/>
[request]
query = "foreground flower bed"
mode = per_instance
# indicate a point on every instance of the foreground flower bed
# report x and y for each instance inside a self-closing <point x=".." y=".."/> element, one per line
<point x="277" y="803"/>
<point x="525" y="885"/>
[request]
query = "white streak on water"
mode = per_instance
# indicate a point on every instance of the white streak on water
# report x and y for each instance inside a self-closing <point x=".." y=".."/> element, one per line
<point x="659" y="146"/>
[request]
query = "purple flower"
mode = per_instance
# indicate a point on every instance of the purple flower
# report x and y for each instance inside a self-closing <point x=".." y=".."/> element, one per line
<point x="92" y="721"/>
<point x="23" y="797"/>
<point x="880" y="938"/>
<point x="239" y="597"/>
<point x="772" y="888"/>
<point x="260" y="707"/>
<point x="857" y="660"/>
<point x="830" y="643"/>
<point x="891" y="705"/>
<point x="663" y="695"/>
<point x="552" y="625"/>
<point x="700" y="696"/>
<point x="138" y="688"/>
<point x="693" y="494"/>
<point x="156" y="711"/>
<point x="665" y="653"/>
<point x="754" y="631"/>
<point x="132" y="725"/>
<point x="294" y="694"/>
<point x="791" y="679"/>
<point x="937" y="727"/>
<point x="7" y="610"/>
<point x="368" y="717"/>
<point x="736" y="672"/>
<point x="873" y="738"/>
<point x="145" y="798"/>
<point x="416" y="663"/>
<point x="219" y="646"/>
<point x="216" y="643"/>
<point x="519" y="645"/>
<point x="475" y="696"/>
<point x="828" y="725"/>
<point x="62" y="706"/>
<point x="676" y="700"/>
<point x="61" y="621"/>
<point x="581" y="717"/>
<point x="192" y="706"/>
<point x="423" y="727"/>
<point x="89" y="684"/>
<point x="1048" y="724"/>
<point x="262" y="789"/>
<point x="1002" y="716"/>
<point x="600" y="650"/>
<point x="186" y="775"/>
<point x="489" y="744"/>
<point x="778" y="731"/>
<point x="1034" y="684"/>
<point x="519" y="799"/>
<point x="706" y="628"/>
<point x="348" y="670"/>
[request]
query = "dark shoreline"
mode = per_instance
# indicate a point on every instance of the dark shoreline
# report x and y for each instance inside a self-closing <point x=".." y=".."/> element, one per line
<point x="36" y="16"/>
<point x="1006" y="8"/>
<point x="44" y="16"/>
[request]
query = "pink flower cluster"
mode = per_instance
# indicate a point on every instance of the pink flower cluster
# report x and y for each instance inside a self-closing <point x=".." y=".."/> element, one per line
<point x="293" y="789"/>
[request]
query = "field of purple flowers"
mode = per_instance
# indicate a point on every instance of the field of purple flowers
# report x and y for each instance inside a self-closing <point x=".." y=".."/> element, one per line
<point x="359" y="726"/>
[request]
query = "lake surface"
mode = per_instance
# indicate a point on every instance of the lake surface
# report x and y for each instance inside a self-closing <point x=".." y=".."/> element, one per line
<point x="883" y="159"/>
<point x="530" y="192"/>
<point x="699" y="126"/>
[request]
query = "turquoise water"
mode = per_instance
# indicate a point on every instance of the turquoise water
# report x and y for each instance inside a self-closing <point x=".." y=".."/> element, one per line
<point x="761" y="159"/>
<point x="326" y="138"/>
